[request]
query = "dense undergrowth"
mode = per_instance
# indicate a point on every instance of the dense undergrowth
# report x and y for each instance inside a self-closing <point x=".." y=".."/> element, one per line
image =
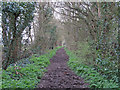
<point x="107" y="66"/>
<point x="89" y="73"/>
<point x="29" y="71"/>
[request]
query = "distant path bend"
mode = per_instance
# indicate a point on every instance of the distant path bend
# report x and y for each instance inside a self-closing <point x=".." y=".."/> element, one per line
<point x="59" y="75"/>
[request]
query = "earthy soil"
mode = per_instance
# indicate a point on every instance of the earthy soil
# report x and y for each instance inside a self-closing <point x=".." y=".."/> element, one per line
<point x="59" y="75"/>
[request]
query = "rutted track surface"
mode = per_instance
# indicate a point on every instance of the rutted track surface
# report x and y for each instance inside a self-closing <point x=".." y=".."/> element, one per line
<point x="59" y="75"/>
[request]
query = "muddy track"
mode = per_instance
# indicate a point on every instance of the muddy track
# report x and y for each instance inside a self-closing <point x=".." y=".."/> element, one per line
<point x="59" y="74"/>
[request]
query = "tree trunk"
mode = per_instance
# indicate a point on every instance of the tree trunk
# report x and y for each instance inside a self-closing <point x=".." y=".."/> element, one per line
<point x="119" y="42"/>
<point x="13" y="47"/>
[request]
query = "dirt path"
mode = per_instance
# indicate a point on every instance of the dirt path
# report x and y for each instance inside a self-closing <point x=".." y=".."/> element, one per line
<point x="59" y="75"/>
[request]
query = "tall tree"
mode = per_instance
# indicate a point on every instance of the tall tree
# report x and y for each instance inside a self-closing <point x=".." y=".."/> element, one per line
<point x="16" y="16"/>
<point x="119" y="42"/>
<point x="44" y="29"/>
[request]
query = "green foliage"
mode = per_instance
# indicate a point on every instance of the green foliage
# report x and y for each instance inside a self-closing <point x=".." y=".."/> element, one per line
<point x="92" y="76"/>
<point x="53" y="36"/>
<point x="16" y="16"/>
<point x="22" y="11"/>
<point x="0" y="78"/>
<point x="84" y="52"/>
<point x="31" y="72"/>
<point x="107" y="66"/>
<point x="106" y="43"/>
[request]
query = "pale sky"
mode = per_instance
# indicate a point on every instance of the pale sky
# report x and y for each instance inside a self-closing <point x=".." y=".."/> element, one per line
<point x="0" y="28"/>
<point x="56" y="15"/>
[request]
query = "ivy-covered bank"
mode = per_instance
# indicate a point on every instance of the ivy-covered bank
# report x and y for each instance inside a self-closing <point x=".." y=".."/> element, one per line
<point x="28" y="72"/>
<point x="90" y="75"/>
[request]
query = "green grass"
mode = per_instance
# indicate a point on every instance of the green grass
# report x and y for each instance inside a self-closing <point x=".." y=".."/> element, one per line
<point x="0" y="78"/>
<point x="94" y="78"/>
<point x="32" y="70"/>
<point x="84" y="52"/>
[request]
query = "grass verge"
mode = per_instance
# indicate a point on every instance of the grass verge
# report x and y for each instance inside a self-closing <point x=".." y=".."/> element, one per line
<point x="28" y="72"/>
<point x="94" y="78"/>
